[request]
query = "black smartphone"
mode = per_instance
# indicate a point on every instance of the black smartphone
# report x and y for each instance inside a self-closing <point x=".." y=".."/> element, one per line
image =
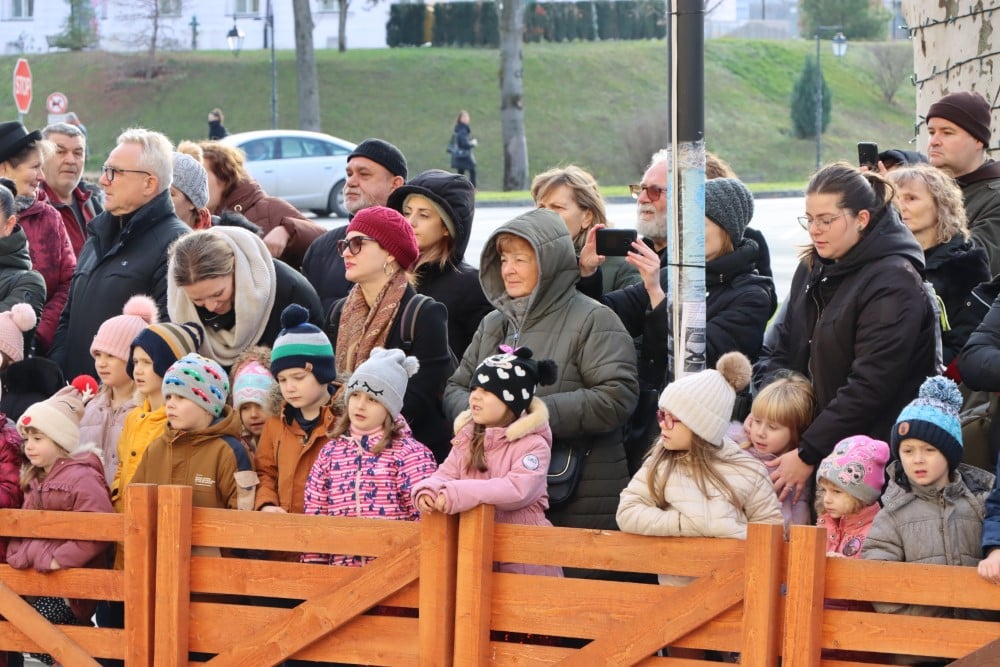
<point x="868" y="154"/>
<point x="615" y="242"/>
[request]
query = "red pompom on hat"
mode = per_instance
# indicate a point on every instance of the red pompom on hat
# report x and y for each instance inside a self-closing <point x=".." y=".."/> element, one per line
<point x="392" y="231"/>
<point x="58" y="417"/>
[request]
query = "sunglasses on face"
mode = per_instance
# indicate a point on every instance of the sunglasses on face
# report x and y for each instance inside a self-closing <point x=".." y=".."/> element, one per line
<point x="354" y="244"/>
<point x="652" y="191"/>
<point x="664" y="417"/>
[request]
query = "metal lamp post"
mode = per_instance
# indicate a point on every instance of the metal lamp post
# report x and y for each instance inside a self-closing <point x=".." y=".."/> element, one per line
<point x="235" y="40"/>
<point x="839" y="46"/>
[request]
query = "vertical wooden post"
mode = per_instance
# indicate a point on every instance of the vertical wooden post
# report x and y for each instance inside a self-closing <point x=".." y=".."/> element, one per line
<point x="438" y="564"/>
<point x="762" y="595"/>
<point x="173" y="576"/>
<point x="474" y="586"/>
<point x="140" y="573"/>
<point x="806" y="581"/>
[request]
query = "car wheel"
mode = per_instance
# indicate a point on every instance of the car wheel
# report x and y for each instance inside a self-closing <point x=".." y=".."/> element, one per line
<point x="335" y="203"/>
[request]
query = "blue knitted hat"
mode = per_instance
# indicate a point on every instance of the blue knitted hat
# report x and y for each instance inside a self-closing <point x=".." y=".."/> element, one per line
<point x="933" y="418"/>
<point x="302" y="345"/>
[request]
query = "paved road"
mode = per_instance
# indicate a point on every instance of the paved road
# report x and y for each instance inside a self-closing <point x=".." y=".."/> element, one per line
<point x="774" y="217"/>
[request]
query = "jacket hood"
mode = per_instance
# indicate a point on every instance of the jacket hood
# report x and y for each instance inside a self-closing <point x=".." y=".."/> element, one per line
<point x="454" y="193"/>
<point x="886" y="236"/>
<point x="742" y="260"/>
<point x="962" y="256"/>
<point x="964" y="479"/>
<point x="989" y="170"/>
<point x="535" y="418"/>
<point x="558" y="271"/>
<point x="86" y="456"/>
<point x="14" y="250"/>
<point x="243" y="195"/>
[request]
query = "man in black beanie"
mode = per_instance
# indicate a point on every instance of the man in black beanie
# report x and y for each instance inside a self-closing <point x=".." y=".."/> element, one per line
<point x="374" y="169"/>
<point x="958" y="128"/>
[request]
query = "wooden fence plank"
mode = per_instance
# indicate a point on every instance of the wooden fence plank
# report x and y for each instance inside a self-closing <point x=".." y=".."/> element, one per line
<point x="900" y="633"/>
<point x="54" y="642"/>
<point x="657" y="624"/>
<point x="474" y="586"/>
<point x="762" y="596"/>
<point x="438" y="565"/>
<point x="987" y="656"/>
<point x="320" y="616"/>
<point x="99" y="526"/>
<point x="912" y="583"/>
<point x="804" y="602"/>
<point x="173" y="565"/>
<point x="140" y="573"/>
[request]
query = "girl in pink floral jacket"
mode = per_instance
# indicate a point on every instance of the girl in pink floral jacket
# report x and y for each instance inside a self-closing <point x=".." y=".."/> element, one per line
<point x="500" y="453"/>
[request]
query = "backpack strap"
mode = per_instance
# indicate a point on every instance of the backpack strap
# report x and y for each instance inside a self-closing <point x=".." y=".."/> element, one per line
<point x="243" y="461"/>
<point x="332" y="327"/>
<point x="408" y="322"/>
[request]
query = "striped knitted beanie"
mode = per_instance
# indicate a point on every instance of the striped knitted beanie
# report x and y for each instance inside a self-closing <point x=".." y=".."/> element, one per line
<point x="302" y="345"/>
<point x="165" y="343"/>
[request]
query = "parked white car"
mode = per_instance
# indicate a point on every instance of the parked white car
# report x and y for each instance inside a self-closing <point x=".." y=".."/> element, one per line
<point x="307" y="169"/>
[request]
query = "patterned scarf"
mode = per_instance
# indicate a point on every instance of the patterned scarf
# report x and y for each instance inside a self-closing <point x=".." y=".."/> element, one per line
<point x="362" y="328"/>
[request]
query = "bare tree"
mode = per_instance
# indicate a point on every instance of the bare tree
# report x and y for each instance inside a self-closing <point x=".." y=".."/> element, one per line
<point x="890" y="65"/>
<point x="146" y="17"/>
<point x="515" y="145"/>
<point x="305" y="67"/>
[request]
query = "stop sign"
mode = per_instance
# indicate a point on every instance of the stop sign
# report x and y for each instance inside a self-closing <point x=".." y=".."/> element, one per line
<point x="22" y="85"/>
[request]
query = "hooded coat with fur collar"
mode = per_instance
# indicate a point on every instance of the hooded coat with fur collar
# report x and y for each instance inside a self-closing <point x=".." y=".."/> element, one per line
<point x="517" y="460"/>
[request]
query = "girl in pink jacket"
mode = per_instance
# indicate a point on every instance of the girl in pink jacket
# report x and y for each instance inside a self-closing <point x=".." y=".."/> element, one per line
<point x="500" y="453"/>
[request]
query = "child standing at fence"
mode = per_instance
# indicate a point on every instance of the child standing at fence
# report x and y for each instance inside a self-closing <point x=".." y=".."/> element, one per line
<point x="104" y="416"/>
<point x="255" y="393"/>
<point x="62" y="474"/>
<point x="850" y="482"/>
<point x="500" y="453"/>
<point x="371" y="465"/>
<point x="781" y="412"/>
<point x="934" y="505"/>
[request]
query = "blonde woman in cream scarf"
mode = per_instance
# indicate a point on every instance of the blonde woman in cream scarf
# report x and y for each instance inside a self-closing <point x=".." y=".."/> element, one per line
<point x="226" y="279"/>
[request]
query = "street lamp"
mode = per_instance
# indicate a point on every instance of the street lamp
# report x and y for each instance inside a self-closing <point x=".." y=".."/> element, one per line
<point x="839" y="46"/>
<point x="235" y="40"/>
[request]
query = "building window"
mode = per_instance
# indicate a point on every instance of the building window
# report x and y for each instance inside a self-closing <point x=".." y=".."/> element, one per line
<point x="247" y="7"/>
<point x="22" y="9"/>
<point x="326" y="5"/>
<point x="170" y="7"/>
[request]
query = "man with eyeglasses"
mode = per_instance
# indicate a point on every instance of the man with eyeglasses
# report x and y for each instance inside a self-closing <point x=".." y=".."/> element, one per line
<point x="77" y="201"/>
<point x="374" y="169"/>
<point x="126" y="249"/>
<point x="651" y="214"/>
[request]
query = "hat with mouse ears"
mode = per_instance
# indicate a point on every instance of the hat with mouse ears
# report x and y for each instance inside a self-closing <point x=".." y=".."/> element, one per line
<point x="512" y="376"/>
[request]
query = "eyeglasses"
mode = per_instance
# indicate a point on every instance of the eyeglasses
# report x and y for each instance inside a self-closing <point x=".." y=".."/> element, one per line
<point x="110" y="172"/>
<point x="652" y="191"/>
<point x="665" y="417"/>
<point x="821" y="223"/>
<point x="354" y="244"/>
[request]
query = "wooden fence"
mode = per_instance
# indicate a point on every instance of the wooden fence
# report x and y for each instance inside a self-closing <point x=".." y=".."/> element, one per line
<point x="430" y="595"/>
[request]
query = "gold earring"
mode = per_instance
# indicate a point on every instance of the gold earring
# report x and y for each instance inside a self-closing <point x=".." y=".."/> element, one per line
<point x="385" y="269"/>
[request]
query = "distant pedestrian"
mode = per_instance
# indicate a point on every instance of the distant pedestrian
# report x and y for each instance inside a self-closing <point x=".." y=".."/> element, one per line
<point x="216" y="130"/>
<point x="462" y="143"/>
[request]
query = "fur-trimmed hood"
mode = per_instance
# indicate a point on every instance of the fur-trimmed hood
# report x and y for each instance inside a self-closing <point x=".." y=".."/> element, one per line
<point x="534" y="418"/>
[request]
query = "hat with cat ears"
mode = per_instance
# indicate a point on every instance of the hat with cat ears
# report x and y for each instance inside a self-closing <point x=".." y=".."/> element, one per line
<point x="512" y="376"/>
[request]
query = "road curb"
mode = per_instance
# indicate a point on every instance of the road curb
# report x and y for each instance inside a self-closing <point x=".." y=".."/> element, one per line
<point x="771" y="194"/>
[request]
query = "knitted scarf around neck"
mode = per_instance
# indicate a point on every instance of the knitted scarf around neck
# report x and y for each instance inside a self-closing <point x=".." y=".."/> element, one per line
<point x="362" y="328"/>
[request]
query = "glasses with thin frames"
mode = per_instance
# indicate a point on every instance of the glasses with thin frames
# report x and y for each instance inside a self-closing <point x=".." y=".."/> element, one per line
<point x="664" y="417"/>
<point x="822" y="224"/>
<point x="654" y="192"/>
<point x="354" y="244"/>
<point x="111" y="172"/>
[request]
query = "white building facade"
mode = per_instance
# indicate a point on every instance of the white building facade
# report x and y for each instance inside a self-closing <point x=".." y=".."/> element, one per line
<point x="27" y="26"/>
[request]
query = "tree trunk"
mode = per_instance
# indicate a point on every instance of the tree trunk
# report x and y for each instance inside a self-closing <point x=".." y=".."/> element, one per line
<point x="305" y="67"/>
<point x="342" y="6"/>
<point x="151" y="63"/>
<point x="515" y="145"/>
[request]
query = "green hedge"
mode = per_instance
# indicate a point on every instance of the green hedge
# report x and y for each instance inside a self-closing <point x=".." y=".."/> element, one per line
<point x="477" y="23"/>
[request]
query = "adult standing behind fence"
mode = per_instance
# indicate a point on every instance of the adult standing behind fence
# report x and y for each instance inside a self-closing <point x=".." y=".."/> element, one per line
<point x="77" y="201"/>
<point x="461" y="145"/>
<point x="859" y="323"/>
<point x="124" y="254"/>
<point x="529" y="272"/>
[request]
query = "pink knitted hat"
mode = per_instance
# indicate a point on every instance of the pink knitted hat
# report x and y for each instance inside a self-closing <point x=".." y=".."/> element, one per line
<point x="116" y="334"/>
<point x="252" y="383"/>
<point x="857" y="465"/>
<point x="13" y="323"/>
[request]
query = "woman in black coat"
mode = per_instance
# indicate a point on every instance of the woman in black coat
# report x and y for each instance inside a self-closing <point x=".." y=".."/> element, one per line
<point x="440" y="207"/>
<point x="858" y="323"/>
<point x="462" y="143"/>
<point x="930" y="204"/>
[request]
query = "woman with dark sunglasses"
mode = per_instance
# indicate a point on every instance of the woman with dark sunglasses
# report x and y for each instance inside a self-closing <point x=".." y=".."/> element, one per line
<point x="384" y="310"/>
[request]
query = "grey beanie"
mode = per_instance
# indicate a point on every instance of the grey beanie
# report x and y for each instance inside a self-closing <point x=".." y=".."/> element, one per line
<point x="384" y="376"/>
<point x="729" y="204"/>
<point x="191" y="179"/>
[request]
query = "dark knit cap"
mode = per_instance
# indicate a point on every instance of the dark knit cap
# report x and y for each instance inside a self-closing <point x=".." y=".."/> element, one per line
<point x="933" y="418"/>
<point x="302" y="345"/>
<point x="392" y="231"/>
<point x="970" y="111"/>
<point x="383" y="153"/>
<point x="729" y="204"/>
<point x="512" y="376"/>
<point x="165" y="343"/>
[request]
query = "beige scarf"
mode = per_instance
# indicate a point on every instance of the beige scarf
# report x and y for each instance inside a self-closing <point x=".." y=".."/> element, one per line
<point x="362" y="328"/>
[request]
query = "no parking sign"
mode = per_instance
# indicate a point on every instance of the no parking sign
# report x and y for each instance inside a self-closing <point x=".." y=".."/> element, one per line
<point x="57" y="103"/>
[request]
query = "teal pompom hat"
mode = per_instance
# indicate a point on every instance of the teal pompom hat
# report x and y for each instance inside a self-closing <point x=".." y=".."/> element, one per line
<point x="933" y="418"/>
